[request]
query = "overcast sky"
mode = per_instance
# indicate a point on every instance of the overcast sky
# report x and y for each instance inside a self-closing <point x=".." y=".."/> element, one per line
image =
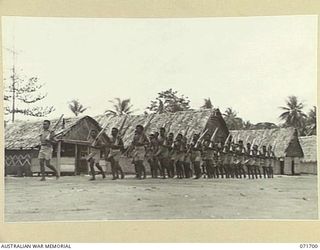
<point x="251" y="64"/>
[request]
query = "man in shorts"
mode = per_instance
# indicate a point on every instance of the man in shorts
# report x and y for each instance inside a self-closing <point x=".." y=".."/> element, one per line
<point x="116" y="147"/>
<point x="46" y="148"/>
<point x="94" y="155"/>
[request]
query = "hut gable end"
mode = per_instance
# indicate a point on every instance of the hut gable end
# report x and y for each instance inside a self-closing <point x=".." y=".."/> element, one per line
<point x="309" y="147"/>
<point x="25" y="135"/>
<point x="80" y="130"/>
<point x="216" y="121"/>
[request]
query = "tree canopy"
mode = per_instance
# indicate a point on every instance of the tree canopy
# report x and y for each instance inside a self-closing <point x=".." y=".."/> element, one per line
<point x="169" y="101"/>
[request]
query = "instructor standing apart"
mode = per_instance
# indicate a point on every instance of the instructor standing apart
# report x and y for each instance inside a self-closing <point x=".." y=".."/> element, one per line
<point x="46" y="149"/>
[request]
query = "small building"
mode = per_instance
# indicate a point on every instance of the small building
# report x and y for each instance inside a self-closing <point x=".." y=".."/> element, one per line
<point x="308" y="163"/>
<point x="22" y="145"/>
<point x="285" y="144"/>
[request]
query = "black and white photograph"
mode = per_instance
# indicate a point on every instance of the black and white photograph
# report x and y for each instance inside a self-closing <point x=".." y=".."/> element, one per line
<point x="160" y="118"/>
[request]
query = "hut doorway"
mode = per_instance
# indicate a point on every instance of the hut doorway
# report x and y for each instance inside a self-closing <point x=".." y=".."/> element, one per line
<point x="81" y="162"/>
<point x="282" y="167"/>
<point x="292" y="166"/>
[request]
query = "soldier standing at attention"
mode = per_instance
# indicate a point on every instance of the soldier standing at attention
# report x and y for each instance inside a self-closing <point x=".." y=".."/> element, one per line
<point x="271" y="162"/>
<point x="171" y="161"/>
<point x="195" y="156"/>
<point x="163" y="153"/>
<point x="139" y="142"/>
<point x="178" y="154"/>
<point x="256" y="162"/>
<point x="116" y="146"/>
<point x="207" y="155"/>
<point x="227" y="160"/>
<point x="220" y="168"/>
<point x="45" y="153"/>
<point x="215" y="161"/>
<point x="234" y="160"/>
<point x="241" y="154"/>
<point x="263" y="161"/>
<point x="152" y="149"/>
<point x="186" y="161"/>
<point x="248" y="161"/>
<point x="94" y="155"/>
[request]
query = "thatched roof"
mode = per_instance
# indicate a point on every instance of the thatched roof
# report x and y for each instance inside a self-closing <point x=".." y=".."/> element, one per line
<point x="309" y="147"/>
<point x="25" y="135"/>
<point x="284" y="141"/>
<point x="179" y="122"/>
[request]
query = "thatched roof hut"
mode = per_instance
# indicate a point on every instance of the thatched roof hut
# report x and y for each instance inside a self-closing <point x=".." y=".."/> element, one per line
<point x="22" y="144"/>
<point x="25" y="135"/>
<point x="309" y="147"/>
<point x="284" y="141"/>
<point x="185" y="122"/>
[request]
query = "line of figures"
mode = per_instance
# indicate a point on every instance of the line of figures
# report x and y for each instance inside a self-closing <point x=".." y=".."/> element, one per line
<point x="171" y="156"/>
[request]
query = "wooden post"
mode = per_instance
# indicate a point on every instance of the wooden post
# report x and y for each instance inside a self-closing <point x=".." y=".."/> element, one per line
<point x="59" y="157"/>
<point x="76" y="170"/>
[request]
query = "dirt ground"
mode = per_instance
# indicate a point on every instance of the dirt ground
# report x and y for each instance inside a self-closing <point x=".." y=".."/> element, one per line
<point x="75" y="198"/>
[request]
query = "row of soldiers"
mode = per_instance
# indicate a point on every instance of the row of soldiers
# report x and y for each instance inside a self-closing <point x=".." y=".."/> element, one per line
<point x="170" y="156"/>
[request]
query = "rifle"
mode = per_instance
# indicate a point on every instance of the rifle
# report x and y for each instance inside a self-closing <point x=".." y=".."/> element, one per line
<point x="145" y="126"/>
<point x="200" y="138"/>
<point x="100" y="133"/>
<point x="172" y="145"/>
<point x="55" y="127"/>
<point x="212" y="137"/>
<point x="122" y="125"/>
<point x="186" y="132"/>
<point x="190" y="141"/>
<point x="274" y="148"/>
<point x="57" y="123"/>
<point x="253" y="141"/>
<point x="246" y="140"/>
<point x="227" y="140"/>
<point x="263" y="136"/>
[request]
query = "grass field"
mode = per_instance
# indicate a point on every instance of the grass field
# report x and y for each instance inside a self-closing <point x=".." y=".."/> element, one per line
<point x="75" y="198"/>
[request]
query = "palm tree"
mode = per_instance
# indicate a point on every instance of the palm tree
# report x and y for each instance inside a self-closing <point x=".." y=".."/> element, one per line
<point x="247" y="125"/>
<point x="233" y="122"/>
<point x="121" y="107"/>
<point x="312" y="121"/>
<point x="293" y="115"/>
<point x="76" y="107"/>
<point x="207" y="104"/>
